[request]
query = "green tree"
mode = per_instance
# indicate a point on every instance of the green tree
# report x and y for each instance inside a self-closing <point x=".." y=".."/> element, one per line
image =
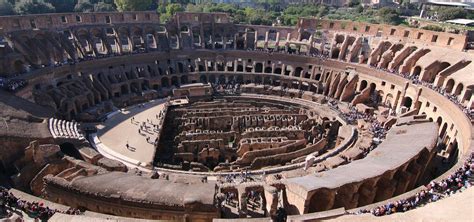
<point x="133" y="5"/>
<point x="23" y="7"/>
<point x="84" y="6"/>
<point x="62" y="5"/>
<point x="447" y="13"/>
<point x="389" y="16"/>
<point x="171" y="9"/>
<point x="6" y="8"/>
<point x="104" y="7"/>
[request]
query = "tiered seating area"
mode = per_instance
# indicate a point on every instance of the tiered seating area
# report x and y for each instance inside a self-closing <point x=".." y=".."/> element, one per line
<point x="64" y="129"/>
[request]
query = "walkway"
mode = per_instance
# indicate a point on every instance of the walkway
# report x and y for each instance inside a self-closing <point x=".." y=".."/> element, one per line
<point x="119" y="130"/>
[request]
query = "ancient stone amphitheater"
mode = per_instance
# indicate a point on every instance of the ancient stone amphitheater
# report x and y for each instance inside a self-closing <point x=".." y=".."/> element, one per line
<point x="122" y="117"/>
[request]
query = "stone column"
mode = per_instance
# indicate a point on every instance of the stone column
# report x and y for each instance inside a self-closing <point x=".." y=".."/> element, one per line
<point x="270" y="195"/>
<point x="242" y="195"/>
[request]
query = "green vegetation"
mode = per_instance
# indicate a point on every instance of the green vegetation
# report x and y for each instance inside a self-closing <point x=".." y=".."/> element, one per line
<point x="447" y="13"/>
<point x="23" y="7"/>
<point x="94" y="6"/>
<point x="6" y="8"/>
<point x="435" y="28"/>
<point x="169" y="10"/>
<point x="133" y="5"/>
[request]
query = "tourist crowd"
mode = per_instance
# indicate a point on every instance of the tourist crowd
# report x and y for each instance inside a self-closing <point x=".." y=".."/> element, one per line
<point x="12" y="85"/>
<point x="149" y="128"/>
<point x="241" y="177"/>
<point x="434" y="191"/>
<point x="226" y="88"/>
<point x="33" y="209"/>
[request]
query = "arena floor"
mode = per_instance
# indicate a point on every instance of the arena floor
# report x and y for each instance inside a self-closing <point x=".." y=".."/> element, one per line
<point x="119" y="130"/>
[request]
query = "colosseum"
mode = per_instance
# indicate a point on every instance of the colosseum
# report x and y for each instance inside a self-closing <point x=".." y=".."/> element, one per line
<point x="120" y="116"/>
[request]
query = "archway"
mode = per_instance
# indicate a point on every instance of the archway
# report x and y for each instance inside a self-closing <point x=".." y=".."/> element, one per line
<point x="184" y="79"/>
<point x="439" y="121"/>
<point x="372" y="88"/>
<point x="408" y="102"/>
<point x="278" y="71"/>
<point x="174" y="81"/>
<point x="268" y="70"/>
<point x="416" y="71"/>
<point x="165" y="82"/>
<point x="203" y="79"/>
<point x="258" y="67"/>
<point x="321" y="200"/>
<point x="363" y="85"/>
<point x="298" y="71"/>
<point x="317" y="77"/>
<point x="449" y="85"/>
<point x="443" y="130"/>
<point x="180" y="67"/>
<point x="459" y="89"/>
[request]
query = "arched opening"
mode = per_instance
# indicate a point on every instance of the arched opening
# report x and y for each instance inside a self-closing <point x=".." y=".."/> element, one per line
<point x="335" y="53"/>
<point x="180" y="67"/>
<point x="467" y="96"/>
<point x="165" y="82"/>
<point x="317" y="77"/>
<point x="443" y="130"/>
<point x="268" y="70"/>
<point x="278" y="71"/>
<point x="258" y="67"/>
<point x="388" y="100"/>
<point x="70" y="150"/>
<point x="184" y="79"/>
<point x="305" y="36"/>
<point x="439" y="121"/>
<point x="416" y="71"/>
<point x="184" y="29"/>
<point x="449" y="85"/>
<point x="298" y="71"/>
<point x="408" y="102"/>
<point x="174" y="81"/>
<point x="321" y="200"/>
<point x="201" y="68"/>
<point x="372" y="88"/>
<point x="459" y="89"/>
<point x="363" y="85"/>
<point x="240" y="68"/>
<point x="203" y="79"/>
